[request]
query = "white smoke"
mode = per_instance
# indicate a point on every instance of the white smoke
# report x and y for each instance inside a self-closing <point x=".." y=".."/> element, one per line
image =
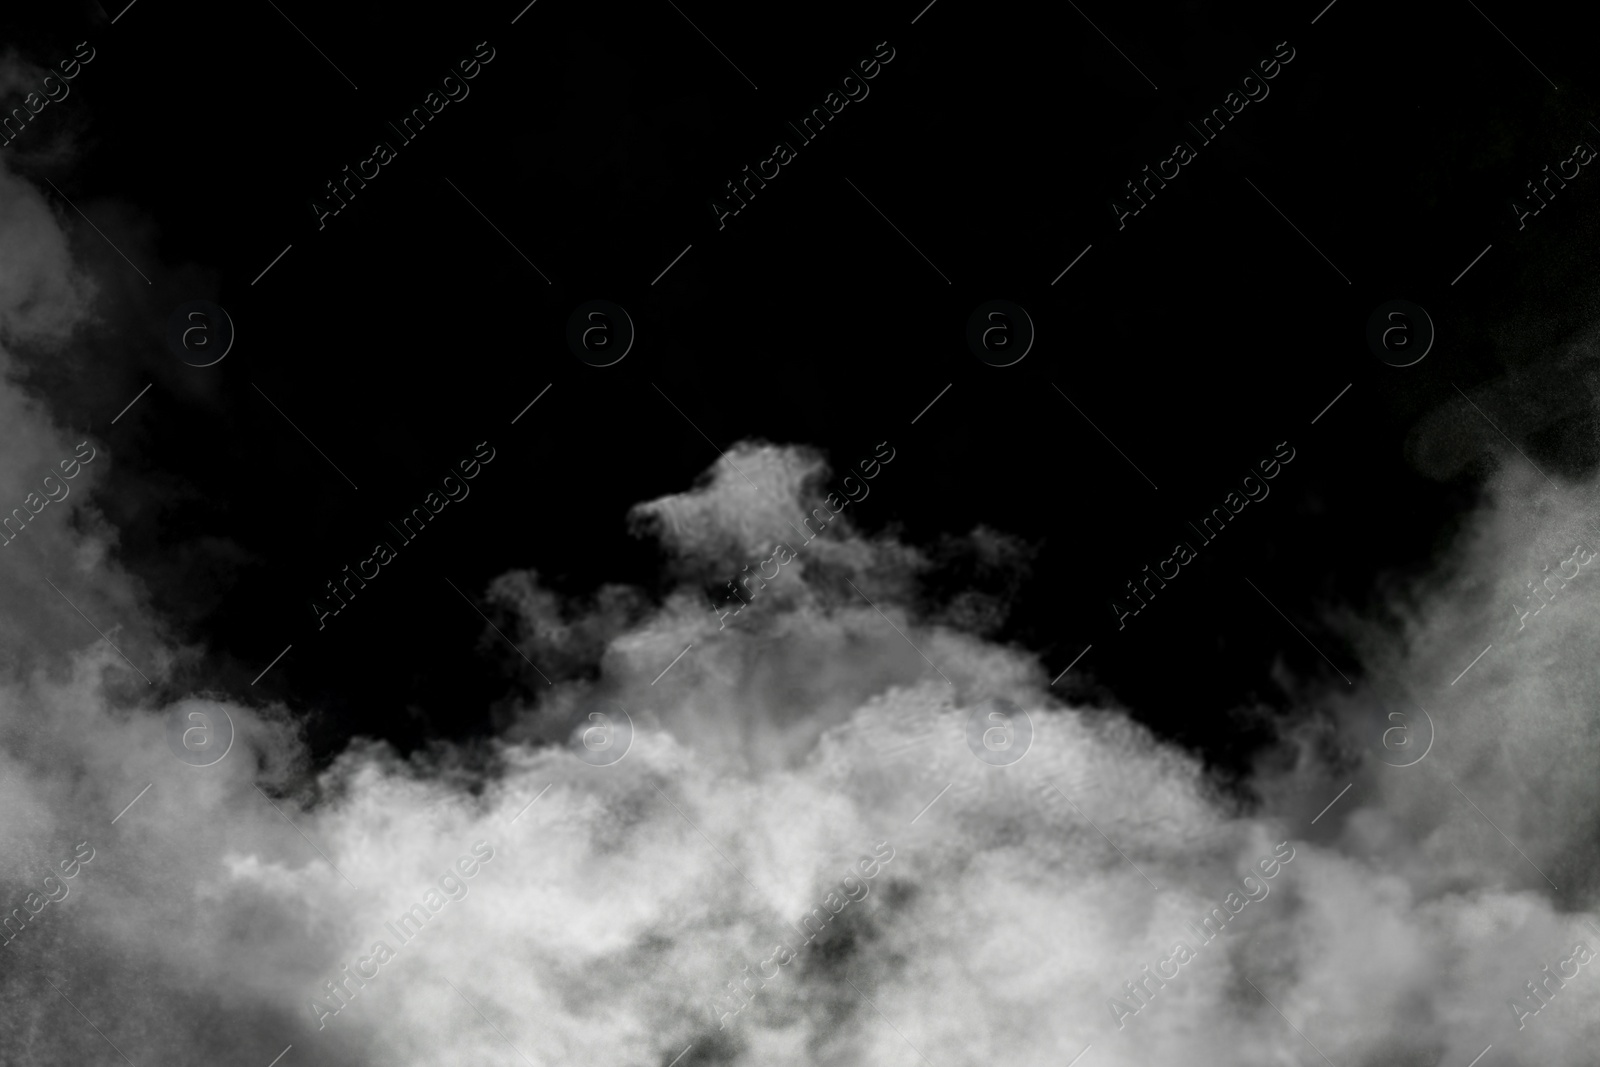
<point x="830" y="716"/>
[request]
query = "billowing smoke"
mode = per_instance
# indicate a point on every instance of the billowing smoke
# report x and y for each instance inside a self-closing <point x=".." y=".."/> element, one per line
<point x="815" y="846"/>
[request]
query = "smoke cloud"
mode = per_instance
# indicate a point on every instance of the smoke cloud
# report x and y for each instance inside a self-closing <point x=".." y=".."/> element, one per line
<point x="226" y="906"/>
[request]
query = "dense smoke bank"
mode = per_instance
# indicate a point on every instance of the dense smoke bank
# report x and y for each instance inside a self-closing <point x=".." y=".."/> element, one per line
<point x="708" y="893"/>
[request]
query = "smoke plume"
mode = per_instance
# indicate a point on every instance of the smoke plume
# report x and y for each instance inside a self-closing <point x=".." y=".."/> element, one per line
<point x="623" y="899"/>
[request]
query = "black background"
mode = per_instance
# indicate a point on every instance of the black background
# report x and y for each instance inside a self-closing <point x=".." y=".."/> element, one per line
<point x="1196" y="338"/>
